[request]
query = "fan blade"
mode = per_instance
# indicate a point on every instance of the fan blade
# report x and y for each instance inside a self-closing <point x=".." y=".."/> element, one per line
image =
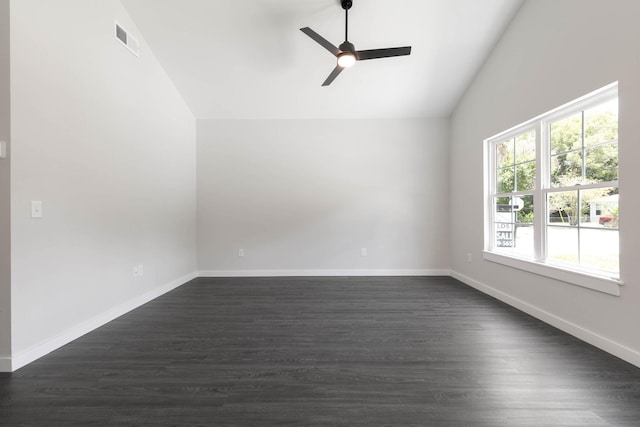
<point x="321" y="40"/>
<point x="383" y="53"/>
<point x="333" y="75"/>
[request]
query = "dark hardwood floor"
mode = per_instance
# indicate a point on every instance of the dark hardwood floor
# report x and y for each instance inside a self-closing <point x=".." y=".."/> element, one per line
<point x="324" y="351"/>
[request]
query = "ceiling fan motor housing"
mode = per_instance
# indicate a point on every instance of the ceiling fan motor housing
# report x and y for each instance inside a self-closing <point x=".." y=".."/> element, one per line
<point x="347" y="47"/>
<point x="346" y="4"/>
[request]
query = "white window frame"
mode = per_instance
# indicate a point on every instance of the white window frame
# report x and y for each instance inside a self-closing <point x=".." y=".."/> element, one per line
<point x="569" y="273"/>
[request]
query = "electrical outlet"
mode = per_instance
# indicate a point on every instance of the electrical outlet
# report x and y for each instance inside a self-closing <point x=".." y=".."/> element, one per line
<point x="138" y="270"/>
<point x="469" y="257"/>
<point x="240" y="252"/>
<point x="363" y="251"/>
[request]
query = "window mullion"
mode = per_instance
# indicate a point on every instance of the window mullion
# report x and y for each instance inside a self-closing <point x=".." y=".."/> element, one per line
<point x="579" y="225"/>
<point x="584" y="153"/>
<point x="515" y="171"/>
<point x="491" y="184"/>
<point x="539" y="202"/>
<point x="583" y="186"/>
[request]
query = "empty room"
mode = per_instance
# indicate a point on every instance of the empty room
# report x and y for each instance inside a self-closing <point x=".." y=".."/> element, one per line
<point x="319" y="212"/>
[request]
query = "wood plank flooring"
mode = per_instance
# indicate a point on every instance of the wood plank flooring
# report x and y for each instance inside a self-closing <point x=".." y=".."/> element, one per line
<point x="410" y="351"/>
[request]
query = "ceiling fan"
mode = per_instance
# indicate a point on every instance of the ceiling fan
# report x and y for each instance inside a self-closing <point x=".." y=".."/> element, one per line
<point x="346" y="53"/>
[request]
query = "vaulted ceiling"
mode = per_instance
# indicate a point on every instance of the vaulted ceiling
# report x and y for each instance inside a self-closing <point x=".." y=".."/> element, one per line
<point x="247" y="59"/>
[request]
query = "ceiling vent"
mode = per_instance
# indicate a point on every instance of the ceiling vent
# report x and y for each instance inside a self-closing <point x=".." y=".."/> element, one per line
<point x="127" y="39"/>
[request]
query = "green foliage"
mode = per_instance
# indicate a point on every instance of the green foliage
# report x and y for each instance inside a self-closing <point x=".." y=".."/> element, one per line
<point x="601" y="161"/>
<point x="597" y="154"/>
<point x="565" y="204"/>
<point x="614" y="212"/>
<point x="525" y="216"/>
<point x="615" y="220"/>
<point x="515" y="160"/>
<point x="566" y="134"/>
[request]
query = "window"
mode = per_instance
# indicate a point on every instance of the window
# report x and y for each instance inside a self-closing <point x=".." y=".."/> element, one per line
<point x="552" y="193"/>
<point x="515" y="160"/>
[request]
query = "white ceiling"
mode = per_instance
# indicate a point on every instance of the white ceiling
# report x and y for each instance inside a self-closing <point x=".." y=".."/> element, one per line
<point x="247" y="59"/>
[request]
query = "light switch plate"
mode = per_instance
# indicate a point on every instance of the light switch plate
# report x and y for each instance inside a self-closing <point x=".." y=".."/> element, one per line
<point x="3" y="149"/>
<point x="36" y="209"/>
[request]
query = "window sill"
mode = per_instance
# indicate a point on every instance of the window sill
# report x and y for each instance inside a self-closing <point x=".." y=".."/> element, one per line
<point x="607" y="285"/>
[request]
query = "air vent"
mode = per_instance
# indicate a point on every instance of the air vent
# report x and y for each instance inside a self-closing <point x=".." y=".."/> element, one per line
<point x="127" y="39"/>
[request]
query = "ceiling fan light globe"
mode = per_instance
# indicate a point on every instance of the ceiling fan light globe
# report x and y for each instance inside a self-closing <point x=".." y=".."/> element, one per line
<point x="346" y="59"/>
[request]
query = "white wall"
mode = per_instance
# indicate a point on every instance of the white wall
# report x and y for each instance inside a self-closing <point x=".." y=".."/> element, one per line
<point x="5" y="212"/>
<point x="554" y="52"/>
<point x="304" y="196"/>
<point x="105" y="141"/>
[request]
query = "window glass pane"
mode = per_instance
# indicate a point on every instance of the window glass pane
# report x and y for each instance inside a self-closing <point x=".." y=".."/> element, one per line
<point x="562" y="244"/>
<point x="526" y="176"/>
<point x="505" y="180"/>
<point x="566" y="134"/>
<point x="601" y="123"/>
<point x="602" y="163"/>
<point x="503" y="227"/>
<point x="523" y="236"/>
<point x="515" y="239"/>
<point x="513" y="228"/>
<point x="599" y="249"/>
<point x="504" y="237"/>
<point x="504" y="153"/>
<point x="503" y="210"/>
<point x="566" y="169"/>
<point x="562" y="208"/>
<point x="599" y="207"/>
<point x="524" y="204"/>
<point x="526" y="147"/>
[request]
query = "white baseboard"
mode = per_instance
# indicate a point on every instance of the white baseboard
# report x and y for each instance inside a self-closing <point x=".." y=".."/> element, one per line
<point x="320" y="273"/>
<point x="625" y="353"/>
<point x="5" y="364"/>
<point x="39" y="350"/>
